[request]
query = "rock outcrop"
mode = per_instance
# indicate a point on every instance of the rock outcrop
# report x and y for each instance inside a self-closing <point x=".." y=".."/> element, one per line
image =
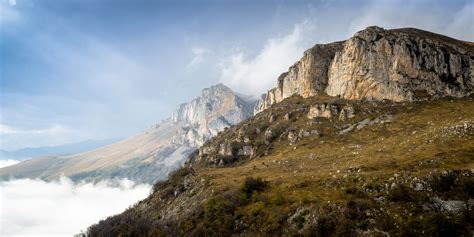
<point x="329" y="110"/>
<point x="398" y="65"/>
<point x="151" y="155"/>
<point x="216" y="109"/>
<point x="307" y="77"/>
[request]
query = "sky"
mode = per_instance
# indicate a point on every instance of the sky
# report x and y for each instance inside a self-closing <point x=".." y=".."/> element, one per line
<point x="89" y="69"/>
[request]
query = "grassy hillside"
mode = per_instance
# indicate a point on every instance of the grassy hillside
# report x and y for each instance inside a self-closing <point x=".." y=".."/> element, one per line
<point x="398" y="169"/>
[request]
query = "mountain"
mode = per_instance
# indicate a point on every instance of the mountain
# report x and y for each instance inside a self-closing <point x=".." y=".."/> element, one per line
<point x="66" y="149"/>
<point x="372" y="136"/>
<point x="151" y="155"/>
<point x="399" y="65"/>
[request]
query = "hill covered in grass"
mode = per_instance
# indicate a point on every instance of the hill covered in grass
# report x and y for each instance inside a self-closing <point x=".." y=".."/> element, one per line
<point x="392" y="168"/>
<point x="372" y="136"/>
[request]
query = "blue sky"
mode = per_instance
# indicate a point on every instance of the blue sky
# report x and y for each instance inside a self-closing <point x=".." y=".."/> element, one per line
<point x="87" y="69"/>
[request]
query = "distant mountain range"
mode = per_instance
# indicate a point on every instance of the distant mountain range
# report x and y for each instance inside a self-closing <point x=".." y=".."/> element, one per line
<point x="66" y="149"/>
<point x="151" y="155"/>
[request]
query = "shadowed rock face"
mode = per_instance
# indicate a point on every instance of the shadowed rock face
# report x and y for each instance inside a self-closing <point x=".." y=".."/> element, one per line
<point x="380" y="64"/>
<point x="151" y="155"/>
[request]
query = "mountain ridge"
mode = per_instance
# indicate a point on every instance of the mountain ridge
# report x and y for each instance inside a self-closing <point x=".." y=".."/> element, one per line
<point x="397" y="64"/>
<point x="64" y="149"/>
<point x="152" y="154"/>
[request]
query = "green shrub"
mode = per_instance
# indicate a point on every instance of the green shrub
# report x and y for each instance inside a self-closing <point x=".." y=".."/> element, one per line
<point x="300" y="219"/>
<point x="251" y="185"/>
<point x="443" y="182"/>
<point x="174" y="180"/>
<point x="437" y="224"/>
<point x="465" y="187"/>
<point x="441" y="225"/>
<point x="355" y="209"/>
<point x="401" y="193"/>
<point x="326" y="226"/>
<point x="356" y="192"/>
<point x="277" y="200"/>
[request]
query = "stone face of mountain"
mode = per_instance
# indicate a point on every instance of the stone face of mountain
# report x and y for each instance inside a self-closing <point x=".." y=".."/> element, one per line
<point x="375" y="63"/>
<point x="151" y="155"/>
<point x="217" y="108"/>
<point x="307" y="77"/>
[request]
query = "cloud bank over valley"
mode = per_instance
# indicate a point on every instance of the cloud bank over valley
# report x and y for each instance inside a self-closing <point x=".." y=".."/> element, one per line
<point x="62" y="208"/>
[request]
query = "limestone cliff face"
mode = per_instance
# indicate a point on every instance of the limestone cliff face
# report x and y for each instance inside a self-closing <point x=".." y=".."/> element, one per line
<point x="380" y="64"/>
<point x="307" y="77"/>
<point x="397" y="64"/>
<point x="217" y="108"/>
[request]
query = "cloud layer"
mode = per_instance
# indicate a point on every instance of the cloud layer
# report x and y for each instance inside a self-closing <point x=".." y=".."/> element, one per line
<point x="254" y="75"/>
<point x="5" y="163"/>
<point x="62" y="208"/>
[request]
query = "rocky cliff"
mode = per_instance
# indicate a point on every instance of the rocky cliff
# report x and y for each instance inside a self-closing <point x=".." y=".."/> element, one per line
<point x="151" y="155"/>
<point x="398" y="65"/>
<point x="217" y="108"/>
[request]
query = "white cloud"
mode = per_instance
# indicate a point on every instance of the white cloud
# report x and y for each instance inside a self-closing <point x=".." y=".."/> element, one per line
<point x="462" y="25"/>
<point x="199" y="54"/>
<point x="5" y="163"/>
<point x="53" y="129"/>
<point x="101" y="85"/>
<point x="8" y="14"/>
<point x="255" y="75"/>
<point x="62" y="208"/>
<point x="15" y="138"/>
<point x="399" y="14"/>
<point x="5" y="129"/>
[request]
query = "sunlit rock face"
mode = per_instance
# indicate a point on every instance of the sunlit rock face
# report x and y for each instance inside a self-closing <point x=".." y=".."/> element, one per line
<point x="380" y="64"/>
<point x="396" y="64"/>
<point x="217" y="108"/>
<point x="153" y="154"/>
<point x="307" y="77"/>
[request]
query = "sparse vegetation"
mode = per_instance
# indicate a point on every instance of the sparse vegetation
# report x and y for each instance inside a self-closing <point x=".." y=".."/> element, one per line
<point x="408" y="177"/>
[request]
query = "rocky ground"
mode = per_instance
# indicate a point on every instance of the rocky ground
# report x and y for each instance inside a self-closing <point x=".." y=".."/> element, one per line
<point x="322" y="166"/>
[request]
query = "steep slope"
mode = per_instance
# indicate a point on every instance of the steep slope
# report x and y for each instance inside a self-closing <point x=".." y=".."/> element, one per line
<point x="390" y="169"/>
<point x="315" y="165"/>
<point x="151" y="155"/>
<point x="399" y="65"/>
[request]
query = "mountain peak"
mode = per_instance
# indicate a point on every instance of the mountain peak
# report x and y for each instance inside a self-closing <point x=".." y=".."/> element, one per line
<point x="218" y="86"/>
<point x="371" y="29"/>
<point x="215" y="101"/>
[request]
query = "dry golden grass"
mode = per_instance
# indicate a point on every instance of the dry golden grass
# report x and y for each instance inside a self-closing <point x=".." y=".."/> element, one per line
<point x="355" y="184"/>
<point x="419" y="132"/>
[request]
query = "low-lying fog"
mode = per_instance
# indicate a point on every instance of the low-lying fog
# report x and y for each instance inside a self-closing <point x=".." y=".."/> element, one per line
<point x="5" y="163"/>
<point x="61" y="208"/>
